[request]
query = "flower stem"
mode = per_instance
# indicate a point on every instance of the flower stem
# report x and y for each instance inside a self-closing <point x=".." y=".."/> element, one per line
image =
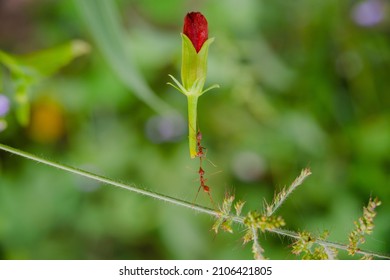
<point x="192" y="117"/>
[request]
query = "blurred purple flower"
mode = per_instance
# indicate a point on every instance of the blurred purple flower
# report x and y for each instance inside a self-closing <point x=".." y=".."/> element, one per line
<point x="248" y="166"/>
<point x="368" y="13"/>
<point x="160" y="129"/>
<point x="4" y="105"/>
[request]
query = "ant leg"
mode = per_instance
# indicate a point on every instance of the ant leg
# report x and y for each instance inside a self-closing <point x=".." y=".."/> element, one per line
<point x="197" y="193"/>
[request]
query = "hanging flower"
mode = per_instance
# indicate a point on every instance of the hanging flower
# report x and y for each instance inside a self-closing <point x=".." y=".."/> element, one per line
<point x="195" y="46"/>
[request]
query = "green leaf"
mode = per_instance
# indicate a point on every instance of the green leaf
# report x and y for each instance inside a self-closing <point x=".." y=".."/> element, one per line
<point x="49" y="61"/>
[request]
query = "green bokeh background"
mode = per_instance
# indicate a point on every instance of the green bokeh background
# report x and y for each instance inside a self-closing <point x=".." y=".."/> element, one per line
<point x="302" y="85"/>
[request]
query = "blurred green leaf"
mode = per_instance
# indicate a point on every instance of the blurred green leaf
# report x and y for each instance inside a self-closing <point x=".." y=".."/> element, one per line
<point x="102" y="20"/>
<point x="49" y="61"/>
<point x="27" y="70"/>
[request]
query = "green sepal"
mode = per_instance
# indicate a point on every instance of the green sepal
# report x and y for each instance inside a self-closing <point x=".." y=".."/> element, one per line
<point x="177" y="85"/>
<point x="209" y="88"/>
<point x="194" y="65"/>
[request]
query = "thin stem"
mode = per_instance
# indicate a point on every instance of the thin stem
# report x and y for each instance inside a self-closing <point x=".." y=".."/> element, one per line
<point x="175" y="201"/>
<point x="281" y="197"/>
<point x="192" y="117"/>
<point x="326" y="243"/>
<point x="114" y="183"/>
<point x="329" y="252"/>
<point x="256" y="248"/>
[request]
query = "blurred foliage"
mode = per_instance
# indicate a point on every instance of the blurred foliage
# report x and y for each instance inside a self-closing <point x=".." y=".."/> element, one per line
<point x="25" y="71"/>
<point x="303" y="83"/>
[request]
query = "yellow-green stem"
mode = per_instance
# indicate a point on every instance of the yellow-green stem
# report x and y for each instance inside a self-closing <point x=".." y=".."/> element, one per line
<point x="192" y="107"/>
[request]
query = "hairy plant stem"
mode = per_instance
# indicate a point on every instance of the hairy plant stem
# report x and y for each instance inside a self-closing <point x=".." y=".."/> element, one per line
<point x="327" y="243"/>
<point x="129" y="187"/>
<point x="175" y="201"/>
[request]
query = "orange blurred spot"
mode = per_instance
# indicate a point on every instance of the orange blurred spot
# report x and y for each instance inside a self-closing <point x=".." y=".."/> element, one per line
<point x="47" y="121"/>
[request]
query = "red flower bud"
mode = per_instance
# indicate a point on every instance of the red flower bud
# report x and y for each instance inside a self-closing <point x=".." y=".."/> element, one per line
<point x="195" y="28"/>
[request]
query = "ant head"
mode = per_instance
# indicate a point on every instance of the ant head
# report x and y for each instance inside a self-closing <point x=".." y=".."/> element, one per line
<point x="201" y="171"/>
<point x="206" y="189"/>
<point x="200" y="153"/>
<point x="199" y="135"/>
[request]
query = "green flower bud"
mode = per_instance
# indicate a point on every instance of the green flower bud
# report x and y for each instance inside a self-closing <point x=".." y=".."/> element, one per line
<point x="195" y="46"/>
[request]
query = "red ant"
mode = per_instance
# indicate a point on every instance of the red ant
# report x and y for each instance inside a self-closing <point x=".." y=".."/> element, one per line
<point x="200" y="154"/>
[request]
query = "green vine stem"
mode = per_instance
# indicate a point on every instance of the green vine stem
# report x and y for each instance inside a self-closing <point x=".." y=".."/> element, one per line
<point x="108" y="181"/>
<point x="176" y="201"/>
